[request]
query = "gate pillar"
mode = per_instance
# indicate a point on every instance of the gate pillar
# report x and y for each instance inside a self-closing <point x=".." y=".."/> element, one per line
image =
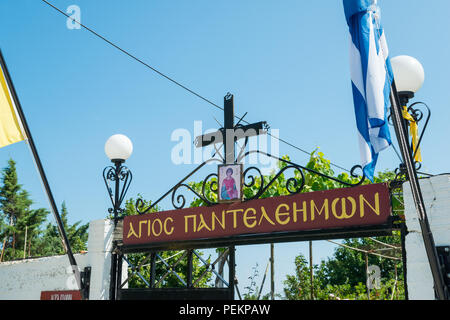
<point x="100" y="244"/>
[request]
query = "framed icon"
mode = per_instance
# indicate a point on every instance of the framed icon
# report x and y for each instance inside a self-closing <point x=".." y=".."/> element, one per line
<point x="230" y="183"/>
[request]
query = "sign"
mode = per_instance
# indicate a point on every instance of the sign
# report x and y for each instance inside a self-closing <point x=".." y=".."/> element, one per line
<point x="339" y="208"/>
<point x="61" y="295"/>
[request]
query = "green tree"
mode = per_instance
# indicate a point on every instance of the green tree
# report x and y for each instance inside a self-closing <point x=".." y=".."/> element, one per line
<point x="344" y="274"/>
<point x="349" y="266"/>
<point x="19" y="223"/>
<point x="50" y="241"/>
<point x="298" y="286"/>
<point x="351" y="286"/>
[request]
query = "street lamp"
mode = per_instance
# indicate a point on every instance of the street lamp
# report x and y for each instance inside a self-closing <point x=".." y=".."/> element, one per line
<point x="118" y="148"/>
<point x="409" y="77"/>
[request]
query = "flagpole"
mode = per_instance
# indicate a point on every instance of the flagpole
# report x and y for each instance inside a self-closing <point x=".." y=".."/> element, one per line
<point x="40" y="168"/>
<point x="430" y="248"/>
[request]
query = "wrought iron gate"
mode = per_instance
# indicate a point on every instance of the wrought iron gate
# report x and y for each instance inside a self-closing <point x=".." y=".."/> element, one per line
<point x="188" y="286"/>
<point x="153" y="270"/>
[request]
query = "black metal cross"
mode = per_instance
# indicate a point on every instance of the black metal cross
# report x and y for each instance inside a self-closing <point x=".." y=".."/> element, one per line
<point x="230" y="133"/>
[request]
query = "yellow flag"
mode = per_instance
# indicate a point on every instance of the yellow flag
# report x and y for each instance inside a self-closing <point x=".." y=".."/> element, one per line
<point x="10" y="126"/>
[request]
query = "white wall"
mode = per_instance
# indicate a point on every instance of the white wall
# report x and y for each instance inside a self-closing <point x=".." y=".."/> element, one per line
<point x="436" y="195"/>
<point x="25" y="279"/>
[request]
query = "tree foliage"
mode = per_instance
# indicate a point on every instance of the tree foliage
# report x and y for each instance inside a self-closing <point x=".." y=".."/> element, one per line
<point x="50" y="241"/>
<point x="21" y="227"/>
<point x="343" y="276"/>
<point x="349" y="282"/>
<point x="18" y="219"/>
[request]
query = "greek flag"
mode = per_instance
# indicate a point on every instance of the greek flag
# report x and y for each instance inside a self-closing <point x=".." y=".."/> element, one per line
<point x="371" y="75"/>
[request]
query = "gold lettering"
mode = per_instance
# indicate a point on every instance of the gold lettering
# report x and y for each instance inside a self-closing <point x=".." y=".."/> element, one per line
<point x="376" y="207"/>
<point x="165" y="226"/>
<point x="303" y="211"/>
<point x="186" y="223"/>
<point x="214" y="219"/>
<point x="140" y="226"/>
<point x="253" y="217"/>
<point x="319" y="212"/>
<point x="264" y="215"/>
<point x="202" y="224"/>
<point x="278" y="214"/>
<point x="160" y="227"/>
<point x="234" y="216"/>
<point x="343" y="214"/>
<point x="131" y="232"/>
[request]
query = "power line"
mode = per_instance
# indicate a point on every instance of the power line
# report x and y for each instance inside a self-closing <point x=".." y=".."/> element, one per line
<point x="133" y="56"/>
<point x="385" y="244"/>
<point x="364" y="251"/>
<point x="173" y="80"/>
<point x="396" y="152"/>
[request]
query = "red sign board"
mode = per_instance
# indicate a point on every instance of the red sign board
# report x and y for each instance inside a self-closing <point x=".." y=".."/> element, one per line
<point x="339" y="208"/>
<point x="61" y="295"/>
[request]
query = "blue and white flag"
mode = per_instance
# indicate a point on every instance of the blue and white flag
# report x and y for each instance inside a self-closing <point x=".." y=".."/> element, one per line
<point x="371" y="75"/>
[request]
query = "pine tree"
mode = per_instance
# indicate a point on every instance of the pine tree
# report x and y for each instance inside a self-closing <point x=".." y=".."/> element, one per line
<point x="18" y="220"/>
<point x="77" y="234"/>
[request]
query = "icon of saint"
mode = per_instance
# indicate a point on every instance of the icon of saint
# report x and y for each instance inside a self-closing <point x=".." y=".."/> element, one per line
<point x="229" y="191"/>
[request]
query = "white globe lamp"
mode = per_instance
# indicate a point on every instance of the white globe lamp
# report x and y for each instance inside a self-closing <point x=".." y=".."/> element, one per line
<point x="409" y="76"/>
<point x="118" y="148"/>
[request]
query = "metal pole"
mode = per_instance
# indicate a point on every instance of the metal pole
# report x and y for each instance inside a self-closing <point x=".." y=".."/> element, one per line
<point x="112" y="285"/>
<point x="367" y="275"/>
<point x="311" y="272"/>
<point x="262" y="282"/>
<point x="237" y="289"/>
<point x="25" y="242"/>
<point x="152" y="269"/>
<point x="119" y="275"/>
<point x="41" y="171"/>
<point x="228" y="136"/>
<point x="189" y="268"/>
<point x="272" y="272"/>
<point x="231" y="271"/>
<point x="403" y="232"/>
<point x="417" y="194"/>
<point x="114" y="258"/>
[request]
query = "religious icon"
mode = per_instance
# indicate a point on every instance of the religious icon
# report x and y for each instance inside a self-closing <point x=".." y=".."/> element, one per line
<point x="230" y="183"/>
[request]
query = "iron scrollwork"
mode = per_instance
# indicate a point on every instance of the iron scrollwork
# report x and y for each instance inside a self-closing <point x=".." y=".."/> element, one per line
<point x="179" y="201"/>
<point x="290" y="182"/>
<point x="417" y="114"/>
<point x="121" y="176"/>
<point x="251" y="175"/>
<point x="293" y="185"/>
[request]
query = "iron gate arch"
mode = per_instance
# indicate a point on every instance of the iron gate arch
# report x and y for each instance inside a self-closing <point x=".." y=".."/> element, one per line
<point x="188" y="286"/>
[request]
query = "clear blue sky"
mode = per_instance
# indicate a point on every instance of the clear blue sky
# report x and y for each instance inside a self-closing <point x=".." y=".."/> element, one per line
<point x="285" y="62"/>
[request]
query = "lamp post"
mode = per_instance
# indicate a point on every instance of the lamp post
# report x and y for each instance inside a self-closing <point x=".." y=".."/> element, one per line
<point x="118" y="148"/>
<point x="409" y="77"/>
